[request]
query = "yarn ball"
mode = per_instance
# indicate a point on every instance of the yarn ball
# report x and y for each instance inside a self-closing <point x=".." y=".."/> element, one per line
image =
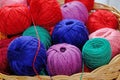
<point x="86" y="69"/>
<point x="11" y="2"/>
<point x="2" y="36"/>
<point x="28" y="1"/>
<point x="113" y="36"/>
<point x="70" y="31"/>
<point x="75" y="10"/>
<point x="44" y="35"/>
<point x="64" y="59"/>
<point x="4" y="66"/>
<point x="22" y="52"/>
<point x="101" y="19"/>
<point x="45" y="13"/>
<point x="88" y="3"/>
<point x="14" y="19"/>
<point x="96" y="52"/>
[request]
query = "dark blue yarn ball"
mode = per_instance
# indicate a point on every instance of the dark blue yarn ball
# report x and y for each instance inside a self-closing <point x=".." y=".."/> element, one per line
<point x="70" y="31"/>
<point x="21" y="53"/>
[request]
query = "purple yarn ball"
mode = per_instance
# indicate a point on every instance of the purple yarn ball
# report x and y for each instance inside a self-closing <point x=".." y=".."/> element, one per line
<point x="75" y="10"/>
<point x="64" y="59"/>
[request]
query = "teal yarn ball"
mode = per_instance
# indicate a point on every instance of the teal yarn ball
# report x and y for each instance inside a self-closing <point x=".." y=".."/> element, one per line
<point x="96" y="52"/>
<point x="44" y="35"/>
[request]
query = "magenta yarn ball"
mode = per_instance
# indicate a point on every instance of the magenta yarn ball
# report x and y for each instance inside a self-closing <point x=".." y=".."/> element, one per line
<point x="75" y="10"/>
<point x="64" y="59"/>
<point x="112" y="35"/>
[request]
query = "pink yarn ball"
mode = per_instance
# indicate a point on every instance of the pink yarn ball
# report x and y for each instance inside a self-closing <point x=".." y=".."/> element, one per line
<point x="11" y="2"/>
<point x="75" y="10"/>
<point x="112" y="35"/>
<point x="64" y="59"/>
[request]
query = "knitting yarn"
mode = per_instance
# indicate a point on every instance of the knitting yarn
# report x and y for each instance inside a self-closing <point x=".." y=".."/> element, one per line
<point x="101" y="19"/>
<point x="88" y="3"/>
<point x="4" y="66"/>
<point x="75" y="10"/>
<point x="70" y="31"/>
<point x="113" y="36"/>
<point x="11" y="2"/>
<point x="14" y="19"/>
<point x="21" y="53"/>
<point x="96" y="52"/>
<point x="45" y="13"/>
<point x="28" y="1"/>
<point x="2" y="36"/>
<point x="64" y="59"/>
<point x="44" y="35"/>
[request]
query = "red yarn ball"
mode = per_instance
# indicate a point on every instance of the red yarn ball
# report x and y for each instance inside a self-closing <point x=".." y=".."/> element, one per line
<point x="45" y="13"/>
<point x="86" y="69"/>
<point x="14" y="19"/>
<point x="28" y="1"/>
<point x="88" y="3"/>
<point x="11" y="2"/>
<point x="101" y="19"/>
<point x="4" y="66"/>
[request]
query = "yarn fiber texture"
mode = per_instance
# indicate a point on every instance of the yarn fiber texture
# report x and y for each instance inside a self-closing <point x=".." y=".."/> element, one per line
<point x="64" y="59"/>
<point x="96" y="52"/>
<point x="45" y="13"/>
<point x="12" y="2"/>
<point x="4" y="65"/>
<point x="2" y="36"/>
<point x="75" y="10"/>
<point x="14" y="19"/>
<point x="88" y="3"/>
<point x="112" y="35"/>
<point x="101" y="19"/>
<point x="21" y="53"/>
<point x="44" y="35"/>
<point x="70" y="31"/>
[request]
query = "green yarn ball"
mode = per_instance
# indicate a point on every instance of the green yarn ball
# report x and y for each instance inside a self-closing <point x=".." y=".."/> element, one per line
<point x="96" y="52"/>
<point x="44" y="35"/>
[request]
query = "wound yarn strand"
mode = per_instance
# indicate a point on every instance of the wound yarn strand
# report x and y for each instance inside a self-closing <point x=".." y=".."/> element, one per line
<point x="37" y="51"/>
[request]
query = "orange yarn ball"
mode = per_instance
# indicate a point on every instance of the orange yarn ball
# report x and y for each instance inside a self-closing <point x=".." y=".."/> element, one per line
<point x="14" y="19"/>
<point x="2" y="36"/>
<point x="101" y="19"/>
<point x="45" y="13"/>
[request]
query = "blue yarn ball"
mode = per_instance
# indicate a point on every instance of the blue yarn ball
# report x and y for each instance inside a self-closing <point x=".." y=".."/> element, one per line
<point x="70" y="31"/>
<point x="21" y="53"/>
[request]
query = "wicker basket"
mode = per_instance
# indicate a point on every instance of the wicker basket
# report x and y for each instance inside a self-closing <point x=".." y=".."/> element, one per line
<point x="106" y="72"/>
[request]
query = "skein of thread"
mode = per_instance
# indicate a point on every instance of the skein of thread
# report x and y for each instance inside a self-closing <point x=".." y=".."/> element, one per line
<point x="44" y="35"/>
<point x="70" y="31"/>
<point x="101" y="19"/>
<point x="45" y="13"/>
<point x="75" y="10"/>
<point x="4" y="65"/>
<point x="64" y="59"/>
<point x="96" y="52"/>
<point x="28" y="1"/>
<point x="21" y="53"/>
<point x="2" y="36"/>
<point x="88" y="3"/>
<point x="113" y="36"/>
<point x="11" y="2"/>
<point x="14" y="19"/>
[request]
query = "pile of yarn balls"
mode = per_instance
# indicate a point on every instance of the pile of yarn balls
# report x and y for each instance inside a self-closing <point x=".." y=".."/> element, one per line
<point x="42" y="37"/>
